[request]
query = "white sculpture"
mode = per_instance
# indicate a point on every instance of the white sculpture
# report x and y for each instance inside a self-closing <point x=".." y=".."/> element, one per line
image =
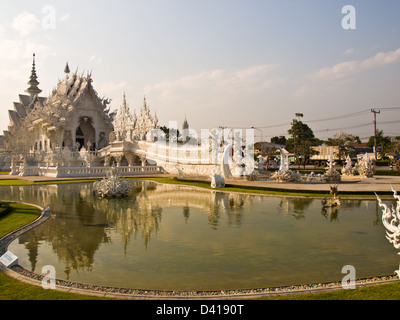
<point x="284" y="159"/>
<point x="348" y="170"/>
<point x="112" y="185"/>
<point x="217" y="181"/>
<point x="287" y="176"/>
<point x="332" y="202"/>
<point x="365" y="167"/>
<point x="391" y="221"/>
<point x="331" y="175"/>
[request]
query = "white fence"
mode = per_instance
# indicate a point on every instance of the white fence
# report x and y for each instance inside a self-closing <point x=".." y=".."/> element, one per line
<point x="72" y="172"/>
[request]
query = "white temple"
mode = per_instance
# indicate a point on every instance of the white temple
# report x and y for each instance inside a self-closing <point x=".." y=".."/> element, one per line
<point x="72" y="116"/>
<point x="72" y="133"/>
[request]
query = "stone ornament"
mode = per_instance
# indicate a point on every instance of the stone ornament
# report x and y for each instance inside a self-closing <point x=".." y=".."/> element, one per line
<point x="217" y="181"/>
<point x="391" y="221"/>
<point x="365" y="167"/>
<point x="112" y="186"/>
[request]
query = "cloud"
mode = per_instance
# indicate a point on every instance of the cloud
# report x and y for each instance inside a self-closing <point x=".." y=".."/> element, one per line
<point x="327" y="78"/>
<point x="347" y="68"/>
<point x="95" y="59"/>
<point x="111" y="89"/>
<point x="349" y="51"/>
<point x="65" y="17"/>
<point x="214" y="82"/>
<point x="213" y="96"/>
<point x="2" y="30"/>
<point x="12" y="49"/>
<point x="25" y="23"/>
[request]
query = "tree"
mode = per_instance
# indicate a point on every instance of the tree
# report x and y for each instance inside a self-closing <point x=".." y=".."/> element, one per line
<point x="301" y="140"/>
<point x="345" y="142"/>
<point x="381" y="141"/>
<point x="279" y="140"/>
<point x="169" y="131"/>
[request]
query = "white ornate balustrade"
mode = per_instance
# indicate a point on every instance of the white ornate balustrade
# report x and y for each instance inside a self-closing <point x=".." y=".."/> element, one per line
<point x="73" y="172"/>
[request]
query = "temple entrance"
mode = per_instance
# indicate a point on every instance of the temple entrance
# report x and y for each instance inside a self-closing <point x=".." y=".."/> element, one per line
<point x="85" y="135"/>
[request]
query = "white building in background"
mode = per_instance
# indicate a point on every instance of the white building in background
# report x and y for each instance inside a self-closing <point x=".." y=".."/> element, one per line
<point x="73" y="133"/>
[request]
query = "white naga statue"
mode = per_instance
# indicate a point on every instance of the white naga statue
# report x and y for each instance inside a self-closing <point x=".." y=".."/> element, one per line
<point x="217" y="181"/>
<point x="391" y="221"/>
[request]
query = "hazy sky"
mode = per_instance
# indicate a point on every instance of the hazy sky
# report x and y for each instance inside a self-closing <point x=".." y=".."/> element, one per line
<point x="219" y="62"/>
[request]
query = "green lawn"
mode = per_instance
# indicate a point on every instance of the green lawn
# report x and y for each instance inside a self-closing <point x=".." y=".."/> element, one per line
<point x="19" y="216"/>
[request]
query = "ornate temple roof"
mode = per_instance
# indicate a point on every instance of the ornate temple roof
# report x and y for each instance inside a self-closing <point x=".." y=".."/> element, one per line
<point x="64" y="98"/>
<point x="54" y="110"/>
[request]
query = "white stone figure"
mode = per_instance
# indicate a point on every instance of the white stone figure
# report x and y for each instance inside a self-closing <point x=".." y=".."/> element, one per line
<point x="217" y="181"/>
<point x="348" y="170"/>
<point x="365" y="167"/>
<point x="287" y="176"/>
<point x="332" y="202"/>
<point x="331" y="175"/>
<point x="284" y="159"/>
<point x="112" y="185"/>
<point x="391" y="221"/>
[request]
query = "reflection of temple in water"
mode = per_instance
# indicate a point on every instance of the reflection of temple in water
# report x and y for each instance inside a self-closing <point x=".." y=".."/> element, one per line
<point x="82" y="223"/>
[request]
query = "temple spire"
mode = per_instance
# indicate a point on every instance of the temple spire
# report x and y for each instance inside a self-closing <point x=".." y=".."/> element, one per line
<point x="33" y="89"/>
<point x="67" y="71"/>
<point x="124" y="100"/>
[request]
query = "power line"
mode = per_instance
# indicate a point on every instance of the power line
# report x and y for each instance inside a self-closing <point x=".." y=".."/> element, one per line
<point x="349" y="115"/>
<point x="338" y="117"/>
<point x="344" y="128"/>
<point x="389" y="108"/>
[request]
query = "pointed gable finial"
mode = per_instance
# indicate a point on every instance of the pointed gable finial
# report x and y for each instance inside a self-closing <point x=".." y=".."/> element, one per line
<point x="67" y="71"/>
<point x="33" y="83"/>
<point x="124" y="99"/>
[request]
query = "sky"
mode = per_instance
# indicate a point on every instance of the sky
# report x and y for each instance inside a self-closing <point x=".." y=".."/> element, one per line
<point x="220" y="63"/>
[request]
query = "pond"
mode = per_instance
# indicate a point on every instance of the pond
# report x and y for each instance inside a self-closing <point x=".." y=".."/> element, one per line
<point x="170" y="237"/>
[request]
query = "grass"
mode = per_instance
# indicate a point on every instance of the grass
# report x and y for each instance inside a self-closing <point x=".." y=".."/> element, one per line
<point x="11" y="289"/>
<point x="18" y="216"/>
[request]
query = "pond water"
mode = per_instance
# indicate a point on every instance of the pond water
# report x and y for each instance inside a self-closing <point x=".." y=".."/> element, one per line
<point x="169" y="237"/>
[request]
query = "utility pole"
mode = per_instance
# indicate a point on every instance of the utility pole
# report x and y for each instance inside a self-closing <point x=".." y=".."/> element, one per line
<point x="375" y="113"/>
